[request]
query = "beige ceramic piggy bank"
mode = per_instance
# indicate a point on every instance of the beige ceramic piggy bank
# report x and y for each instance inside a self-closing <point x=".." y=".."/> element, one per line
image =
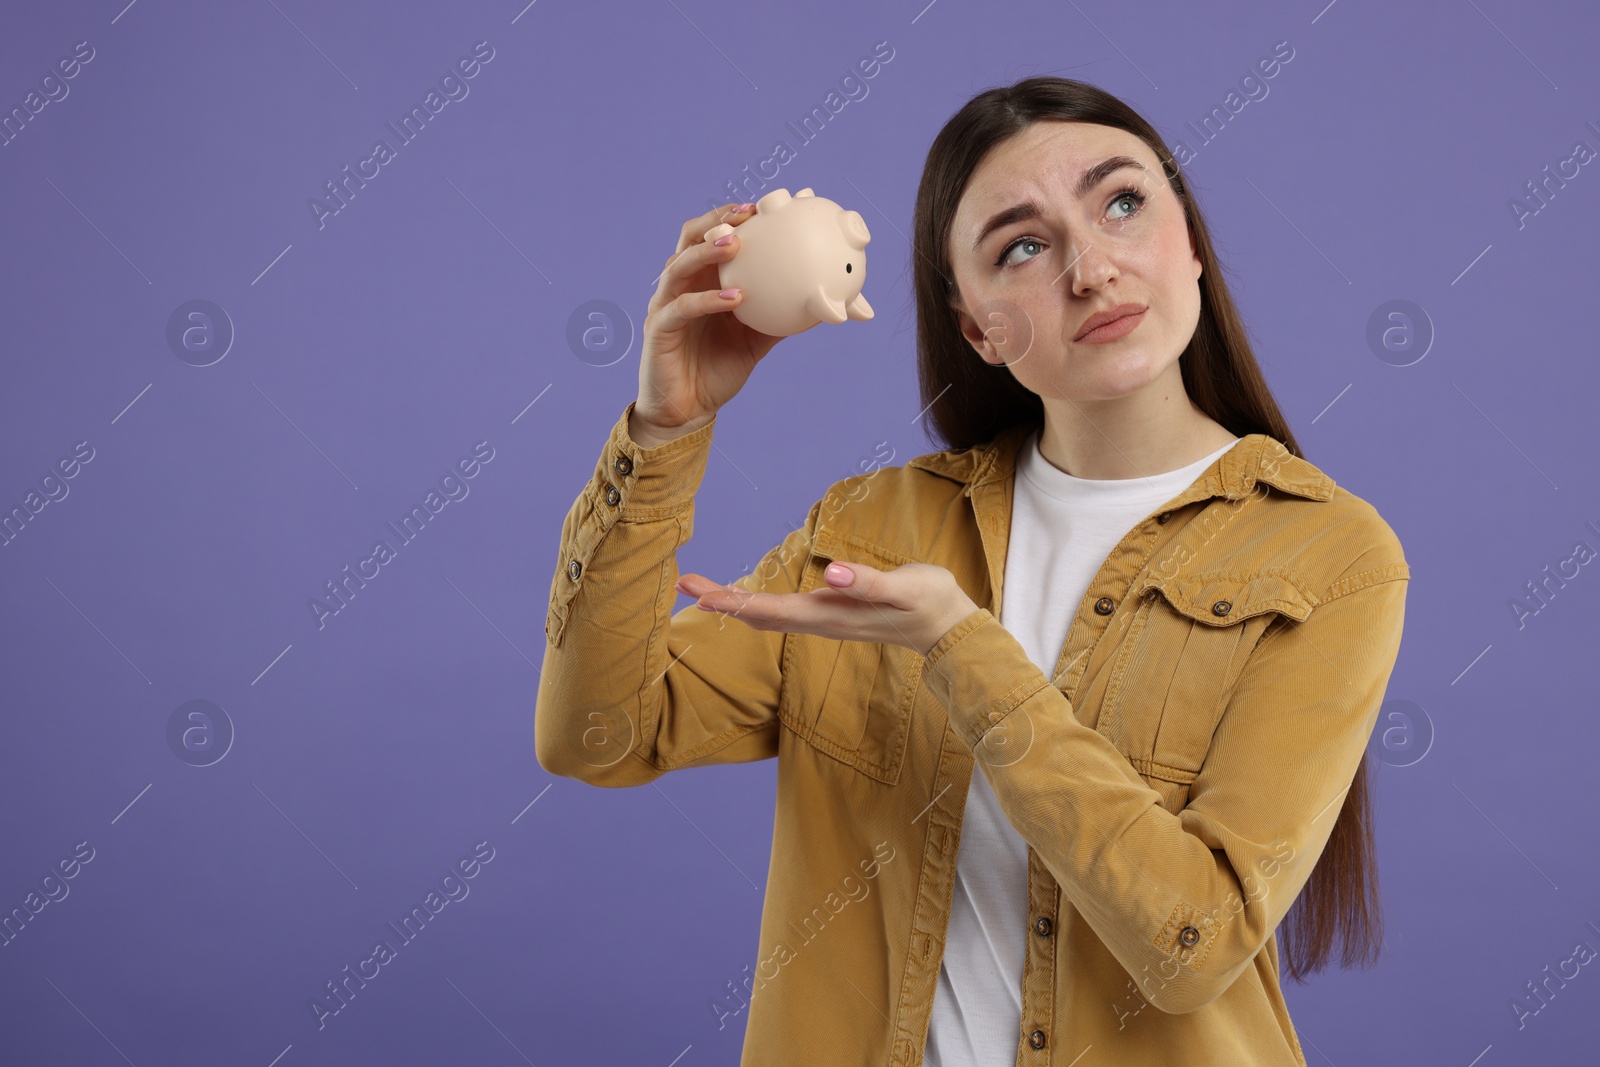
<point x="801" y="261"/>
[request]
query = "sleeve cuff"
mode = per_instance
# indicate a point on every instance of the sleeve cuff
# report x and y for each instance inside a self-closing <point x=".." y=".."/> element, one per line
<point x="981" y="674"/>
<point x="954" y="634"/>
<point x="653" y="482"/>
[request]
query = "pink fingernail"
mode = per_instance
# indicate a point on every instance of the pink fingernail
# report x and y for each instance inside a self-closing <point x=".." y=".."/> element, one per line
<point x="725" y="239"/>
<point x="729" y="294"/>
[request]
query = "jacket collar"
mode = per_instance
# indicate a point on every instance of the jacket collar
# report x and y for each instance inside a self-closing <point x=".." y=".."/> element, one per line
<point x="1257" y="457"/>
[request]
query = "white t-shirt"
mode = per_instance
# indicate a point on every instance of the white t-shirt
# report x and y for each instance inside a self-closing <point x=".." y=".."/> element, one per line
<point x="1062" y="530"/>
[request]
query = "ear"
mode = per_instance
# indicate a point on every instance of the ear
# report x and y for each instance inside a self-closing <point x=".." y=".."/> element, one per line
<point x="1194" y="253"/>
<point x="970" y="330"/>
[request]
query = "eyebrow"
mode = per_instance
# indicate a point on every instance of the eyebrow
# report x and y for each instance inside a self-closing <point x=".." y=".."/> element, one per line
<point x="1029" y="209"/>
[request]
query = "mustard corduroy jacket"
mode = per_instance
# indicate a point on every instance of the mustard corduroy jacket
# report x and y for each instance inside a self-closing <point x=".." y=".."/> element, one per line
<point x="1176" y="777"/>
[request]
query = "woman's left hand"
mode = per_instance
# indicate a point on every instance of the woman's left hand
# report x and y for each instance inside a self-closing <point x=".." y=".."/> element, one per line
<point x="913" y="605"/>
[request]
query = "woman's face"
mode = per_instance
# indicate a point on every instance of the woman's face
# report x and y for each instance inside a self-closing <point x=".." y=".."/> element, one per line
<point x="1087" y="223"/>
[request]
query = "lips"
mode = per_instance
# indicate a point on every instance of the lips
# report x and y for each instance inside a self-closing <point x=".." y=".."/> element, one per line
<point x="1103" y="318"/>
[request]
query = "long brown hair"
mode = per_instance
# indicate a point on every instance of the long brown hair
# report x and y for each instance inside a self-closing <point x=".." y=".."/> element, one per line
<point x="969" y="401"/>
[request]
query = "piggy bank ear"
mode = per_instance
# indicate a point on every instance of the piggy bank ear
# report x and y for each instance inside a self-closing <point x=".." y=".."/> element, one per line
<point x="772" y="201"/>
<point x="855" y="229"/>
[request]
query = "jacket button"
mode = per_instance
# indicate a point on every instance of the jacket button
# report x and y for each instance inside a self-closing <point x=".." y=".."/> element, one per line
<point x="1221" y="607"/>
<point x="1163" y="517"/>
<point x="1036" y="1039"/>
<point x="623" y="464"/>
<point x="1104" y="606"/>
<point x="1189" y="935"/>
<point x="1042" y="927"/>
<point x="574" y="569"/>
<point x="612" y="496"/>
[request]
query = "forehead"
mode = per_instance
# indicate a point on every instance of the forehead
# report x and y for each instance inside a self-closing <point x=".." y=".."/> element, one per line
<point x="1042" y="161"/>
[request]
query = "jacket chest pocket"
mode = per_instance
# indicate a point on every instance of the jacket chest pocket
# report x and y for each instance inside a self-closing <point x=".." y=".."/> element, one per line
<point x="1186" y="646"/>
<point x="851" y="700"/>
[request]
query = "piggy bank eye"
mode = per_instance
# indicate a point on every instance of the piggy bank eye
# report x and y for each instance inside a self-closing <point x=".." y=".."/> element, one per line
<point x="847" y="268"/>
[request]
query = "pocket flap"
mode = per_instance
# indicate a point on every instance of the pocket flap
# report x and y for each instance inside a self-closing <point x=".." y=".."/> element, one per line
<point x="830" y="543"/>
<point x="1223" y="599"/>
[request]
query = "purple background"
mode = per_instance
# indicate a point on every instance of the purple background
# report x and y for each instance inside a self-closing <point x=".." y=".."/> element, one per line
<point x="374" y="352"/>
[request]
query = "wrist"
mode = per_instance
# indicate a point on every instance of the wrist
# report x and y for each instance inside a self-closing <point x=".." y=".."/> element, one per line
<point x="646" y="433"/>
<point x="959" y="607"/>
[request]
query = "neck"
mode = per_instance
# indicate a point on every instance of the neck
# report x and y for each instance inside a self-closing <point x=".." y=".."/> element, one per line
<point x="1128" y="437"/>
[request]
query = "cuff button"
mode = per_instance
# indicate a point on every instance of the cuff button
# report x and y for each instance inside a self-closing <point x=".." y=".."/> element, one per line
<point x="574" y="569"/>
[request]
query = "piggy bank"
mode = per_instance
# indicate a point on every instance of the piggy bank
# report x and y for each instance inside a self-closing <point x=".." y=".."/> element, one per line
<point x="801" y="261"/>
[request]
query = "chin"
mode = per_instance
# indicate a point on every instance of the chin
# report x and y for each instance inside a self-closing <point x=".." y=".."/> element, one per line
<point x="1120" y="375"/>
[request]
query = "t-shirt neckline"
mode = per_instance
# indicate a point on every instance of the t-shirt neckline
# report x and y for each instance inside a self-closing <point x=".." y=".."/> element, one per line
<point x="1054" y="482"/>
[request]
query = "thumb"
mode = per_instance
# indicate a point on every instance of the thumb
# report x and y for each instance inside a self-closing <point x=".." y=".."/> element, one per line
<point x="855" y="579"/>
<point x="838" y="575"/>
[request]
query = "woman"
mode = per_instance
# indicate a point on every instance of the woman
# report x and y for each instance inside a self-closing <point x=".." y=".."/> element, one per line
<point x="1067" y="714"/>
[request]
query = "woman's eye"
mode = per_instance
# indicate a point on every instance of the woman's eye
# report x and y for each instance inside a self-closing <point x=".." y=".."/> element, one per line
<point x="1018" y="243"/>
<point x="1131" y="198"/>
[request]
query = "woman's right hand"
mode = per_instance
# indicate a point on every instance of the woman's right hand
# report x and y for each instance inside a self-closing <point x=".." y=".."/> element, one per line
<point x="694" y="356"/>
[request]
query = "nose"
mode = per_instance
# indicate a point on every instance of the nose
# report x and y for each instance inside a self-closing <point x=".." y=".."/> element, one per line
<point x="1088" y="269"/>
